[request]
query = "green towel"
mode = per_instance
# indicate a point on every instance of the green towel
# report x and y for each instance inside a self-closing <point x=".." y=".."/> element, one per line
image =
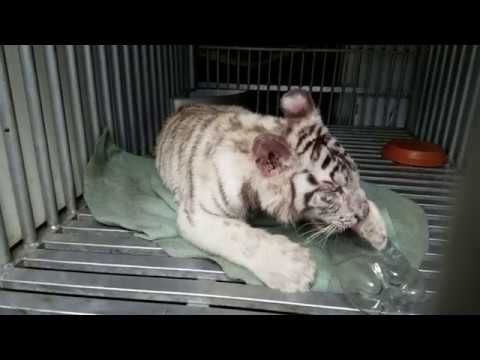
<point x="125" y="190"/>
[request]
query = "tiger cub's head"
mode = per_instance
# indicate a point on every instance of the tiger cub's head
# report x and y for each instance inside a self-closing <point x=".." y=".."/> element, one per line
<point x="324" y="183"/>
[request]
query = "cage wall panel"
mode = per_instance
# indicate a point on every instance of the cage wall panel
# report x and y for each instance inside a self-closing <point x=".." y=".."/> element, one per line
<point x="132" y="128"/>
<point x="119" y="105"/>
<point x="61" y="129"/>
<point x="15" y="155"/>
<point x="37" y="124"/>
<point x="450" y="95"/>
<point x="63" y="97"/>
<point x="78" y="117"/>
<point x="91" y="91"/>
<point x="105" y="91"/>
<point x="72" y="135"/>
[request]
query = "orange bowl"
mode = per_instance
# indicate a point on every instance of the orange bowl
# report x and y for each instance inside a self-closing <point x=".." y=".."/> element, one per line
<point x="415" y="153"/>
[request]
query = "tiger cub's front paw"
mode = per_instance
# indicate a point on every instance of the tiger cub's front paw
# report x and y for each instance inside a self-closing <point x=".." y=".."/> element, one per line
<point x="286" y="266"/>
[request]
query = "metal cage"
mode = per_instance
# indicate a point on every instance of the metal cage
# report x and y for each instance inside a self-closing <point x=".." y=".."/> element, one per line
<point x="54" y="101"/>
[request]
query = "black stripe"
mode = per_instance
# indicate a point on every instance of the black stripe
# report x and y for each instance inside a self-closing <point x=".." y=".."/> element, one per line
<point x="300" y="140"/>
<point x="210" y="148"/>
<point x="318" y="145"/>
<point x="326" y="162"/>
<point x="309" y="144"/>
<point x="222" y="190"/>
<point x="214" y="214"/>
<point x="202" y="129"/>
<point x="335" y="169"/>
<point x="305" y="132"/>
<point x="168" y="134"/>
<point x="181" y="151"/>
<point x="294" y="193"/>
<point x="219" y="206"/>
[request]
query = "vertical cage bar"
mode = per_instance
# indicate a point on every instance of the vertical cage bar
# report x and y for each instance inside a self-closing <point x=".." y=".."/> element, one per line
<point x="238" y="69"/>
<point x="218" y="68"/>
<point x="258" y="79"/>
<point x="107" y="103"/>
<point x="342" y="72"/>
<point x="473" y="111"/>
<point x="180" y="73"/>
<point x="147" y="98"/>
<point x="5" y="255"/>
<point x="186" y="70"/>
<point x="228" y="68"/>
<point x="166" y="80"/>
<point x="439" y="88"/>
<point x="132" y="131"/>
<point x="426" y="82"/>
<point x="191" y="63"/>
<point x="268" y="81"/>
<point x="290" y="72"/>
<point x="401" y="93"/>
<point x="302" y="65"/>
<point x="431" y="91"/>
<point x="153" y="82"/>
<point x="92" y="97"/>
<point x="61" y="128"/>
<point x="426" y="98"/>
<point x="378" y="85"/>
<point x="37" y="124"/>
<point x="161" y="83"/>
<point x="16" y="164"/>
<point x="366" y="88"/>
<point x="320" y="95"/>
<point x="77" y="106"/>
<point x="461" y="108"/>
<point x="312" y="71"/>
<point x="355" y="85"/>
<point x="117" y="81"/>
<point x="454" y="96"/>
<point x="444" y="100"/>
<point x="249" y="67"/>
<point x="176" y="70"/>
<point x="207" y="62"/>
<point x="389" y="87"/>
<point x="181" y="67"/>
<point x="280" y="61"/>
<point x="332" y="92"/>
<point x="171" y="72"/>
<point x="424" y="91"/>
<point x="140" y="121"/>
<point x="415" y="80"/>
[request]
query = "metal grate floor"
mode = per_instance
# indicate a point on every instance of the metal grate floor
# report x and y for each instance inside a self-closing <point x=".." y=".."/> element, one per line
<point x="95" y="269"/>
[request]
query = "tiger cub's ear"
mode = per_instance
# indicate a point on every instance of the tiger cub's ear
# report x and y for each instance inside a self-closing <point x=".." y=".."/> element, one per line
<point x="271" y="153"/>
<point x="297" y="103"/>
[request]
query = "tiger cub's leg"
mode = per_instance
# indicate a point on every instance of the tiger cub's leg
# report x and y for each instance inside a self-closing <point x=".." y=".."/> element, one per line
<point x="274" y="259"/>
<point x="373" y="228"/>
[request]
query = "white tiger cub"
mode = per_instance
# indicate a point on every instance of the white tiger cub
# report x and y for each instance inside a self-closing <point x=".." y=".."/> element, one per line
<point x="221" y="162"/>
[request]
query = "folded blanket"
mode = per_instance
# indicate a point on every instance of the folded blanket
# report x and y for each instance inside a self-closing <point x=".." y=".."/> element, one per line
<point x="125" y="190"/>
